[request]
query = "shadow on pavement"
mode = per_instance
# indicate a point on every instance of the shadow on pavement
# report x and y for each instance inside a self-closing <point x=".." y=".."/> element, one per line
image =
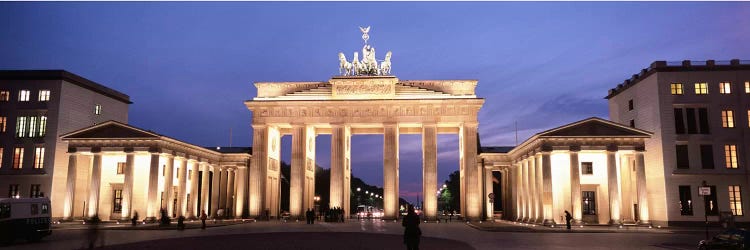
<point x="318" y="240"/>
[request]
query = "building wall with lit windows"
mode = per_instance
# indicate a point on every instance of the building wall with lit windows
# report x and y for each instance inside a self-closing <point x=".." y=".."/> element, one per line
<point x="36" y="107"/>
<point x="699" y="112"/>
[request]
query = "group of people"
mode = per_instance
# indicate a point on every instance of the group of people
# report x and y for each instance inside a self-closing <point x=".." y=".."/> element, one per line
<point x="335" y="214"/>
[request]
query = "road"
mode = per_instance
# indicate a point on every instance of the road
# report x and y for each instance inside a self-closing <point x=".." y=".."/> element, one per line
<point x="358" y="235"/>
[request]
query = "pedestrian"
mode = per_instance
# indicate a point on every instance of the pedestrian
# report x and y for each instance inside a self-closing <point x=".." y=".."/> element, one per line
<point x="203" y="219"/>
<point x="134" y="220"/>
<point x="568" y="217"/>
<point x="181" y="222"/>
<point x="411" y="229"/>
<point x="308" y="217"/>
<point x="451" y="216"/>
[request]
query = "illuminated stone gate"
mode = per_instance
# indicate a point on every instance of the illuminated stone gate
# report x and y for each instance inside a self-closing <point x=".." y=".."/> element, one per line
<point x="349" y="105"/>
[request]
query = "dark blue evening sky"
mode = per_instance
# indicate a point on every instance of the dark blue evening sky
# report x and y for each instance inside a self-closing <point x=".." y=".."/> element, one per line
<point x="189" y="66"/>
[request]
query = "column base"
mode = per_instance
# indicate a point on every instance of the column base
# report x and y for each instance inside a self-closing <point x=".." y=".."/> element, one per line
<point x="577" y="222"/>
<point x="628" y="222"/>
<point x="548" y="222"/>
<point x="644" y="223"/>
<point x="615" y="222"/>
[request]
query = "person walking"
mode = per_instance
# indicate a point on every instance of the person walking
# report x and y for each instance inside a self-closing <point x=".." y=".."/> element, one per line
<point x="204" y="216"/>
<point x="568" y="217"/>
<point x="411" y="229"/>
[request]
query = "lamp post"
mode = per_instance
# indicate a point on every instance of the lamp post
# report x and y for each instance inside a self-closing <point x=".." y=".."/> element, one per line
<point x="317" y="205"/>
<point x="705" y="192"/>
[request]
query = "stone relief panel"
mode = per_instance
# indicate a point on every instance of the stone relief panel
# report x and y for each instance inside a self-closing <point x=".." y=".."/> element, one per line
<point x="273" y="89"/>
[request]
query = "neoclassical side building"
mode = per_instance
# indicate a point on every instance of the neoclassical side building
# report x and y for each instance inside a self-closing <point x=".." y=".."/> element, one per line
<point x="115" y="170"/>
<point x="592" y="168"/>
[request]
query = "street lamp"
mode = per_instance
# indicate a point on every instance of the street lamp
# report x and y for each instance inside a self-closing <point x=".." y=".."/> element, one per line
<point x="358" y="189"/>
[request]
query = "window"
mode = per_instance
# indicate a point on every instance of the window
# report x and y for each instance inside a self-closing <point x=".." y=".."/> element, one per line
<point x="691" y="125"/>
<point x="679" y="122"/>
<point x="730" y="155"/>
<point x="42" y="126"/>
<point x="32" y="126"/>
<point x="747" y="87"/>
<point x="43" y="95"/>
<point x="4" y="95"/>
<point x="23" y="95"/>
<point x="703" y="120"/>
<point x="39" y="157"/>
<point x="630" y="104"/>
<point x="675" y="88"/>
<point x="701" y="88"/>
<point x="707" y="156"/>
<point x="686" y="201"/>
<point x="1" y="157"/>
<point x="45" y="208"/>
<point x="18" y="158"/>
<point x="735" y="200"/>
<point x="632" y="123"/>
<point x="120" y="168"/>
<point x="98" y="109"/>
<point x="4" y="121"/>
<point x="190" y="172"/>
<point x="748" y="118"/>
<point x="35" y="191"/>
<point x="587" y="168"/>
<point x="725" y="88"/>
<point x="727" y="118"/>
<point x="712" y="207"/>
<point x="117" y="201"/>
<point x="13" y="191"/>
<point x="683" y="161"/>
<point x="21" y="126"/>
<point x="588" y="198"/>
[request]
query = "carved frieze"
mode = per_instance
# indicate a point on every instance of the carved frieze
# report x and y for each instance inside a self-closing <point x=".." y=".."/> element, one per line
<point x="363" y="87"/>
<point x="453" y="87"/>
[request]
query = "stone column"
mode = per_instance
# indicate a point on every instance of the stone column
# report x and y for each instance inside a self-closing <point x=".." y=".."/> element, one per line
<point x="153" y="187"/>
<point x="168" y="186"/>
<point x="215" y="190"/>
<point x="259" y="161"/>
<point x="640" y="173"/>
<point x="518" y="191"/>
<point x="429" y="170"/>
<point x="614" y="191"/>
<point x="504" y="192"/>
<point x="205" y="187"/>
<point x="531" y="188"/>
<point x="626" y="194"/>
<point x="194" y="208"/>
<point x="297" y="172"/>
<point x="70" y="185"/>
<point x="391" y="134"/>
<point x="241" y="177"/>
<point x="223" y="189"/>
<point x="575" y="185"/>
<point x="490" y="211"/>
<point x="127" y="190"/>
<point x="537" y="158"/>
<point x="473" y="193"/>
<point x="230" y="193"/>
<point x="525" y="190"/>
<point x="95" y="185"/>
<point x="547" y="186"/>
<point x="182" y="187"/>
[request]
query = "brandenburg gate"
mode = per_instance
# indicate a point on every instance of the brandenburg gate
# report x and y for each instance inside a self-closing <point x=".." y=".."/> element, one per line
<point x="364" y="99"/>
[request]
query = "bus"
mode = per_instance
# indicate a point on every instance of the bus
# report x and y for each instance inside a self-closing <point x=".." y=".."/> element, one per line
<point x="24" y="218"/>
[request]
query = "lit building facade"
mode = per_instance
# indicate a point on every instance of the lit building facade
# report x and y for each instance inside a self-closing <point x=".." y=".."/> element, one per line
<point x="36" y="107"/>
<point x="116" y="170"/>
<point x="699" y="112"/>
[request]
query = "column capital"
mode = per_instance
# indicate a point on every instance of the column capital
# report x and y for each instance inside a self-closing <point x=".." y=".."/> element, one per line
<point x="545" y="149"/>
<point x="575" y="148"/>
<point x="470" y="124"/>
<point x="640" y="148"/>
<point x="96" y="150"/>
<point x="230" y="169"/>
<point x="390" y="124"/>
<point x="430" y="124"/>
<point x="73" y="150"/>
<point x="128" y="150"/>
<point x="612" y="148"/>
<point x="259" y="126"/>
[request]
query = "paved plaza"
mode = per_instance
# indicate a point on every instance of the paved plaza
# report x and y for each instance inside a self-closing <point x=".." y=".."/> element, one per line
<point x="363" y="235"/>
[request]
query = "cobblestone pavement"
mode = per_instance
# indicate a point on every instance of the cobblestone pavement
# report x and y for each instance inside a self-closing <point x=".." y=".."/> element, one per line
<point x="369" y="235"/>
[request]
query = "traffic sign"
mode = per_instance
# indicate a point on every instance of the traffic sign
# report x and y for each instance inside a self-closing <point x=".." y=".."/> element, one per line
<point x="704" y="191"/>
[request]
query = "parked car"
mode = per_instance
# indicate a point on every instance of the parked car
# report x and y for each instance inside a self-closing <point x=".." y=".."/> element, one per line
<point x="729" y="239"/>
<point x="24" y="218"/>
